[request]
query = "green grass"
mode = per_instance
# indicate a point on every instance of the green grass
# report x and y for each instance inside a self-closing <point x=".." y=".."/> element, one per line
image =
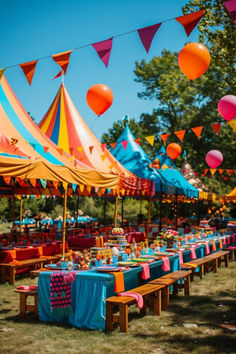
<point x="212" y="302"/>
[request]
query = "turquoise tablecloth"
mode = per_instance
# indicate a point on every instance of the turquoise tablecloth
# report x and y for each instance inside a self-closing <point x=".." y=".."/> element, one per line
<point x="89" y="292"/>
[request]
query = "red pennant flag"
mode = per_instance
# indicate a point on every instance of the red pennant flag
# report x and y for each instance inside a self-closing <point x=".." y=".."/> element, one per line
<point x="58" y="75"/>
<point x="29" y="69"/>
<point x="205" y="171"/>
<point x="71" y="151"/>
<point x="45" y="148"/>
<point x="190" y="21"/>
<point x="55" y="184"/>
<point x="7" y="179"/>
<point x="197" y="131"/>
<point x="229" y="172"/>
<point x="103" y="147"/>
<point x="33" y="181"/>
<point x="180" y="134"/>
<point x="124" y="144"/>
<point x="62" y="59"/>
<point x="113" y="145"/>
<point x="216" y="127"/>
<point x="21" y="182"/>
<point x="231" y="7"/>
<point x="147" y="34"/>
<point x="164" y="137"/>
<point x="60" y="150"/>
<point x="104" y="50"/>
<point x="137" y="141"/>
<point x="91" y="149"/>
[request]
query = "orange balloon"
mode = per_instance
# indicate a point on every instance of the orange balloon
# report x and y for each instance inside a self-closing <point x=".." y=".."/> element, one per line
<point x="99" y="98"/>
<point x="173" y="150"/>
<point x="194" y="60"/>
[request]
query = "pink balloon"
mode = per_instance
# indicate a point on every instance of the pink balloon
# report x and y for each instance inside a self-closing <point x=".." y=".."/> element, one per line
<point x="227" y="107"/>
<point x="214" y="158"/>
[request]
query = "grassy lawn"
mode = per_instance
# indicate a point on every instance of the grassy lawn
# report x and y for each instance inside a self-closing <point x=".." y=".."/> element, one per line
<point x="212" y="302"/>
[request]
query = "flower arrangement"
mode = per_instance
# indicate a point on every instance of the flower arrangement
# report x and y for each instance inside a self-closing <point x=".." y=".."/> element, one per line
<point x="168" y="237"/>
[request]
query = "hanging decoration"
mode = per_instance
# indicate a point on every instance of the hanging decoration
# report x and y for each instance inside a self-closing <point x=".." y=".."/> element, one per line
<point x="29" y="69"/>
<point x="231" y="7"/>
<point x="189" y="22"/>
<point x="99" y="98"/>
<point x="173" y="150"/>
<point x="214" y="158"/>
<point x="227" y="107"/>
<point x="197" y="131"/>
<point x="216" y="127"/>
<point x="180" y="134"/>
<point x="147" y="34"/>
<point x="103" y="50"/>
<point x="62" y="59"/>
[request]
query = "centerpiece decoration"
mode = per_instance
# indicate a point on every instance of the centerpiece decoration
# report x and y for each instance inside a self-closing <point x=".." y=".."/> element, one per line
<point x="168" y="238"/>
<point x="117" y="237"/>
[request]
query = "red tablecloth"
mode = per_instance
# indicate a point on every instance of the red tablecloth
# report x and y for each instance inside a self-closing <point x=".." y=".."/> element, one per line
<point x="83" y="242"/>
<point x="139" y="236"/>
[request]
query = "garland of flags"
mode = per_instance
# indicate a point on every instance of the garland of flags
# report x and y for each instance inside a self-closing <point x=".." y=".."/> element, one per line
<point x="104" y="48"/>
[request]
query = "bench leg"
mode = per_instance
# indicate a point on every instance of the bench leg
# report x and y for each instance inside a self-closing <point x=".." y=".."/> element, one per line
<point x="201" y="271"/>
<point x="157" y="303"/>
<point x="187" y="285"/>
<point x="123" y="317"/>
<point x="226" y="260"/>
<point x="165" y="297"/>
<point x="215" y="264"/>
<point x="22" y="305"/>
<point x="109" y="317"/>
<point x="175" y="288"/>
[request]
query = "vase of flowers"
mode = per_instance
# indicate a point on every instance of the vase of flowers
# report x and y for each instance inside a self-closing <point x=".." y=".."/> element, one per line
<point x="168" y="238"/>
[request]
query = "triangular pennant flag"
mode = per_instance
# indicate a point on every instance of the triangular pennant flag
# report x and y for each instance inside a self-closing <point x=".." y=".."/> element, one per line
<point x="71" y="150"/>
<point x="33" y="182"/>
<point x="216" y="127"/>
<point x="91" y="149"/>
<point x="124" y="144"/>
<point x="89" y="188"/>
<point x="29" y="69"/>
<point x="104" y="156"/>
<point x="229" y="172"/>
<point x="2" y="72"/>
<point x="197" y="131"/>
<point x="65" y="185"/>
<point x="164" y="167"/>
<point x="220" y="171"/>
<point x="55" y="184"/>
<point x="232" y="123"/>
<point x="190" y="21"/>
<point x="113" y="145"/>
<point x="81" y="187"/>
<point x="137" y="141"/>
<point x="147" y="34"/>
<point x="164" y="137"/>
<point x="21" y="182"/>
<point x="213" y="171"/>
<point x="43" y="182"/>
<point x="122" y="191"/>
<point x="180" y="134"/>
<point x="62" y="59"/>
<point x="80" y="149"/>
<point x="58" y="75"/>
<point x="45" y="148"/>
<point x="60" y="150"/>
<point x="103" y="147"/>
<point x="7" y="179"/>
<point x="231" y="7"/>
<point x="150" y="139"/>
<point x="205" y="170"/>
<point x="104" y="50"/>
<point x="96" y="189"/>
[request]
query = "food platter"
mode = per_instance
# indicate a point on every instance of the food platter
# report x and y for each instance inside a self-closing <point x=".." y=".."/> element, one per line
<point x="108" y="269"/>
<point x="127" y="264"/>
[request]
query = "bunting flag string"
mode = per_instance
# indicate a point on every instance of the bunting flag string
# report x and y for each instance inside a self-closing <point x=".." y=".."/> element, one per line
<point x="103" y="48"/>
<point x="220" y="171"/>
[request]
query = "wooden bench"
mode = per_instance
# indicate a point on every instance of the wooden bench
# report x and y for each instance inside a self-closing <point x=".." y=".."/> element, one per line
<point x="23" y="302"/>
<point x="151" y="297"/>
<point x="222" y="256"/>
<point x="8" y="270"/>
<point x="173" y="279"/>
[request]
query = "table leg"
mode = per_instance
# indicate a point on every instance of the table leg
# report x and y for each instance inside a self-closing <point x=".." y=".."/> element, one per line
<point x="109" y="317"/>
<point x="23" y="299"/>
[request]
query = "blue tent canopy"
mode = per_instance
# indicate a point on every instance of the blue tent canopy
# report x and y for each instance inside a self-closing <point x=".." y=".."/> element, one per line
<point x="174" y="176"/>
<point x="136" y="161"/>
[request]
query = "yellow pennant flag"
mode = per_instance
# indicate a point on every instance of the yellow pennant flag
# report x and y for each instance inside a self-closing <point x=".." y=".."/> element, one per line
<point x="213" y="171"/>
<point x="232" y="123"/>
<point x="122" y="191"/>
<point x="150" y="139"/>
<point x="65" y="185"/>
<point x="2" y="72"/>
<point x="164" y="167"/>
<point x="104" y="156"/>
<point x="81" y="187"/>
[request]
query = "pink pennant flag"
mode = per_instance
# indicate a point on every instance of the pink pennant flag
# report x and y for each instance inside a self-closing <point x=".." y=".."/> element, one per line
<point x="231" y="7"/>
<point x="147" y="34"/>
<point x="104" y="50"/>
<point x="124" y="144"/>
<point x="190" y="21"/>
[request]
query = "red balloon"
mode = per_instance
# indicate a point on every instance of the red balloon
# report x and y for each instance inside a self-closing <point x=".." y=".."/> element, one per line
<point x="173" y="150"/>
<point x="99" y="98"/>
<point x="194" y="60"/>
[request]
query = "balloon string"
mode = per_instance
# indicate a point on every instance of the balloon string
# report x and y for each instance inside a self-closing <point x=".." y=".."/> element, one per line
<point x="94" y="121"/>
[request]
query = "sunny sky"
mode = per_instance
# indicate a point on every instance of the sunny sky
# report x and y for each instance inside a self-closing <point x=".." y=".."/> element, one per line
<point x="32" y="29"/>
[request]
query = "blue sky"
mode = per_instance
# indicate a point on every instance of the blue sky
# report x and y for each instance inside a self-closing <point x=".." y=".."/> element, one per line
<point x="31" y="29"/>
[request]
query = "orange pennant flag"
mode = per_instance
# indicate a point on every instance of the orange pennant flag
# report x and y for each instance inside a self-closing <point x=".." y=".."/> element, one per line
<point x="213" y="171"/>
<point x="137" y="141"/>
<point x="190" y="21"/>
<point x="216" y="127"/>
<point x="229" y="172"/>
<point x="7" y="179"/>
<point x="150" y="139"/>
<point x="164" y="137"/>
<point x="205" y="170"/>
<point x="33" y="181"/>
<point x="89" y="188"/>
<point x="58" y="75"/>
<point x="113" y="145"/>
<point x="80" y="149"/>
<point x="197" y="131"/>
<point x="62" y="59"/>
<point x="45" y="148"/>
<point x="71" y="150"/>
<point x="55" y="184"/>
<point x="180" y="134"/>
<point x="91" y="149"/>
<point x="60" y="150"/>
<point x="29" y="69"/>
<point x="220" y="171"/>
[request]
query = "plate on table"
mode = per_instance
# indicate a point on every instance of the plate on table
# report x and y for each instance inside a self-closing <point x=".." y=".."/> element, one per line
<point x="143" y="260"/>
<point x="162" y="254"/>
<point x="53" y="267"/>
<point x="149" y="256"/>
<point x="127" y="264"/>
<point x="107" y="269"/>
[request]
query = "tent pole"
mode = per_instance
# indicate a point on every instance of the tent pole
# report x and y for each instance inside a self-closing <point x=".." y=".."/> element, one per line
<point x="149" y="215"/>
<point x="160" y="224"/>
<point x="13" y="211"/>
<point x="21" y="212"/>
<point x="122" y="211"/>
<point x="104" y="210"/>
<point x="64" y="224"/>
<point x="176" y="211"/>
<point x="116" y="211"/>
